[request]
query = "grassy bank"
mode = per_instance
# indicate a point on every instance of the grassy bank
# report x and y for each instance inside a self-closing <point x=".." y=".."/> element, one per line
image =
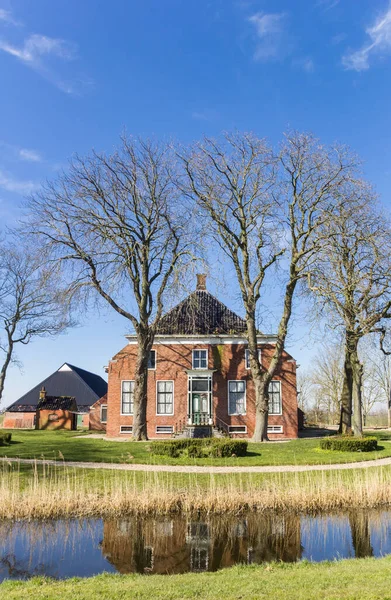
<point x="355" y="579"/>
<point x="49" y="492"/>
<point x="79" y="447"/>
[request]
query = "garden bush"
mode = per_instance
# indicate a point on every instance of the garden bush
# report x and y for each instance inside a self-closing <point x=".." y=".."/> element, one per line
<point x="200" y="447"/>
<point x="349" y="444"/>
<point x="5" y="439"/>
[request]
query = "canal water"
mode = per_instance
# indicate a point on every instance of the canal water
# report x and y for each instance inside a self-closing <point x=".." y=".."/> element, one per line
<point x="177" y="544"/>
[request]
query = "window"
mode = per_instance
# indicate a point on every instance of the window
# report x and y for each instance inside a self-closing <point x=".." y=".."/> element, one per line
<point x="148" y="558"/>
<point x="236" y="397"/>
<point x="165" y="397"/>
<point x="275" y="407"/>
<point x="127" y="397"/>
<point x="275" y="429"/>
<point x="199" y="559"/>
<point x="237" y="429"/>
<point x="103" y="413"/>
<point x="247" y="357"/>
<point x="168" y="429"/>
<point x="200" y="359"/>
<point x="126" y="429"/>
<point x="152" y="360"/>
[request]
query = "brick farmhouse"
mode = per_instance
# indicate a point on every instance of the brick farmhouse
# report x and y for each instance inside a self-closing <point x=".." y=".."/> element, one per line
<point x="199" y="376"/>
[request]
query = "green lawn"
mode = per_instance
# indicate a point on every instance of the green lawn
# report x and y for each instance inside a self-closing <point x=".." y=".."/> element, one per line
<point x="71" y="446"/>
<point x="355" y="579"/>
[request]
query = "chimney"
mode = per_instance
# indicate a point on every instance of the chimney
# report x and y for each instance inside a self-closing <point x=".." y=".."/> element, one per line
<point x="42" y="394"/>
<point x="201" y="281"/>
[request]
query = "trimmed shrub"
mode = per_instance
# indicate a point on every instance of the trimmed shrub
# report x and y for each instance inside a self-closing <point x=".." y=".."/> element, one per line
<point x="5" y="439"/>
<point x="349" y="444"/>
<point x="200" y="447"/>
<point x="227" y="447"/>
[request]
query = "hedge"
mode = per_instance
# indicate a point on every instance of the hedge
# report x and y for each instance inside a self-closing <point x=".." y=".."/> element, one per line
<point x="349" y="444"/>
<point x="5" y="439"/>
<point x="200" y="447"/>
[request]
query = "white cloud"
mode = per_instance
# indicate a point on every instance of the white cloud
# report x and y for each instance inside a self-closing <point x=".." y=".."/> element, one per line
<point x="7" y="17"/>
<point x="380" y="42"/>
<point x="37" y="46"/>
<point x="30" y="155"/>
<point x="37" y="49"/>
<point x="270" y="32"/>
<point x="10" y="184"/>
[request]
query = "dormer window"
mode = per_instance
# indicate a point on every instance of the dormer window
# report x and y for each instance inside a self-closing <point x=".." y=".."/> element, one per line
<point x="200" y="359"/>
<point x="152" y="360"/>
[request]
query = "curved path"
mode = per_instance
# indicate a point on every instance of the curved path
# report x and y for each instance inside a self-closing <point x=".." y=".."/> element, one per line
<point x="364" y="464"/>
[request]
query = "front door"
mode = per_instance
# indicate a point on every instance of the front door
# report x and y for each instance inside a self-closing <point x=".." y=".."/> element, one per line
<point x="200" y="393"/>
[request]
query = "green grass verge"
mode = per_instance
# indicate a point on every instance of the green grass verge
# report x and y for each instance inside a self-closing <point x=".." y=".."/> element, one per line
<point x="71" y="446"/>
<point x="354" y="579"/>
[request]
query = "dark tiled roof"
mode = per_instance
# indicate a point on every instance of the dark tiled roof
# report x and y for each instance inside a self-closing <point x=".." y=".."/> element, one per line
<point x="57" y="403"/>
<point x="201" y="314"/>
<point x="23" y="408"/>
<point x="82" y="385"/>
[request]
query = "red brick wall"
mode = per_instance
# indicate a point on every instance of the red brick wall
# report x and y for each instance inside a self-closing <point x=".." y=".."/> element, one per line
<point x="171" y="363"/>
<point x="66" y="420"/>
<point x="95" y="422"/>
<point x="15" y="420"/>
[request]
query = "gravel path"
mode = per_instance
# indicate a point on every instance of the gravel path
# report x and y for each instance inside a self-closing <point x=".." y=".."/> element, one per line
<point x="380" y="462"/>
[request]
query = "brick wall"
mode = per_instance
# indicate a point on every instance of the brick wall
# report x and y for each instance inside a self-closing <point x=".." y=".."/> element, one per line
<point x="95" y="422"/>
<point x="172" y="361"/>
<point x="17" y="420"/>
<point x="65" y="420"/>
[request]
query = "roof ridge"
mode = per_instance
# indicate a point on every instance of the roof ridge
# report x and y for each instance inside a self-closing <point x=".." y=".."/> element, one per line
<point x="73" y="367"/>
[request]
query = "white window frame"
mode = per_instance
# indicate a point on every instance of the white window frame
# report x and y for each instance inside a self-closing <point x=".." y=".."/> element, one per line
<point x="275" y="429"/>
<point x="279" y="383"/>
<point x="232" y="427"/>
<point x="153" y="368"/>
<point x="207" y="359"/>
<point x="170" y="427"/>
<point x="122" y="413"/>
<point x="247" y="357"/>
<point x="158" y="414"/>
<point x="128" y="427"/>
<point x="103" y="406"/>
<point x="245" y="397"/>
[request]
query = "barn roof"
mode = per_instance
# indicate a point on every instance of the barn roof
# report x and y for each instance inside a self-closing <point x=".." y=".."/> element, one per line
<point x="57" y="403"/>
<point x="68" y="380"/>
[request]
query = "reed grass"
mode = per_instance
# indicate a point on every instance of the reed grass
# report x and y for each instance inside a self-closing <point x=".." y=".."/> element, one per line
<point x="49" y="491"/>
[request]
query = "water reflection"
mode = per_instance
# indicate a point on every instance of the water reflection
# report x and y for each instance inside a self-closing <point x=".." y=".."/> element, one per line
<point x="179" y="544"/>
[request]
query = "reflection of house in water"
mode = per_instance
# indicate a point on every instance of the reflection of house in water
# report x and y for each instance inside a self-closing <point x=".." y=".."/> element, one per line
<point x="177" y="545"/>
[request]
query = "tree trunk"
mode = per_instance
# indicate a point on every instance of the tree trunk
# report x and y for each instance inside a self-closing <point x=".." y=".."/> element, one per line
<point x="345" y="425"/>
<point x="357" y="394"/>
<point x="389" y="410"/>
<point x="361" y="537"/>
<point x="5" y="366"/>
<point x="259" y="379"/>
<point x="140" y="387"/>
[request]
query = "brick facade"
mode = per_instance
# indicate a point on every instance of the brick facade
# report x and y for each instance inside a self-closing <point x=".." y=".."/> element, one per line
<point x="226" y="360"/>
<point x="95" y="423"/>
<point x="19" y="420"/>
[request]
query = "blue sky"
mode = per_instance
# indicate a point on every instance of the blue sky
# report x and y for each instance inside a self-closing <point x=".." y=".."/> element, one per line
<point x="75" y="74"/>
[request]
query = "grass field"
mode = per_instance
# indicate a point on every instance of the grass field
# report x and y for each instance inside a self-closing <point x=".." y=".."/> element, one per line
<point x="72" y="446"/>
<point x="357" y="579"/>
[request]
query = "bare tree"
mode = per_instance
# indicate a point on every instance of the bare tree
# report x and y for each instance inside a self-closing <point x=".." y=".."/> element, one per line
<point x="262" y="206"/>
<point x="352" y="281"/>
<point x="32" y="303"/>
<point x="304" y="389"/>
<point x="326" y="376"/>
<point x="117" y="221"/>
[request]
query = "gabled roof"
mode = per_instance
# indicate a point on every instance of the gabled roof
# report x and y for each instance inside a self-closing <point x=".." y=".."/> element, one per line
<point x="201" y="314"/>
<point x="57" y="403"/>
<point x="68" y="380"/>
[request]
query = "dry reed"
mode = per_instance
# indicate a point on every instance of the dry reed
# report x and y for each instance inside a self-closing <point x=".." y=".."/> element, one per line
<point x="50" y="492"/>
